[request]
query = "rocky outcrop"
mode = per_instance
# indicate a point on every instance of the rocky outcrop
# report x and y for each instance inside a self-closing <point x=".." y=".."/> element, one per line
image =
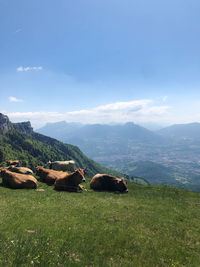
<point x="24" y="127"/>
<point x="5" y="124"/>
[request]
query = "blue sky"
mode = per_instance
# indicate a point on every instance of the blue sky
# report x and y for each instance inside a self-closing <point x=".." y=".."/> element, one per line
<point x="100" y="61"/>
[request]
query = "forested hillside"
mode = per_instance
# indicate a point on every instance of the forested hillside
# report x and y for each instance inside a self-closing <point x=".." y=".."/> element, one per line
<point x="33" y="149"/>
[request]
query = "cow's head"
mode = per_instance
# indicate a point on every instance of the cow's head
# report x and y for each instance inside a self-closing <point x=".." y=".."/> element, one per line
<point x="121" y="185"/>
<point x="38" y="170"/>
<point x="80" y="175"/>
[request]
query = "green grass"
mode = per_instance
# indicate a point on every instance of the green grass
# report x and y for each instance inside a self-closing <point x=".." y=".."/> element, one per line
<point x="141" y="181"/>
<point x="149" y="226"/>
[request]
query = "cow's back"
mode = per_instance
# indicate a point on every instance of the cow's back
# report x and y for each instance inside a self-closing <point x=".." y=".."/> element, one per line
<point x="19" y="181"/>
<point x="70" y="182"/>
<point x="57" y="166"/>
<point x="54" y="175"/>
<point x="22" y="170"/>
<point x="49" y="176"/>
<point x="63" y="165"/>
<point x="103" y="182"/>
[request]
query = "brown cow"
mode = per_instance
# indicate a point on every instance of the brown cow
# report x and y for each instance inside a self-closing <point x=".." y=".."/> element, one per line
<point x="49" y="176"/>
<point x="12" y="162"/>
<point x="22" y="170"/>
<point x="17" y="180"/>
<point x="105" y="182"/>
<point x="71" y="182"/>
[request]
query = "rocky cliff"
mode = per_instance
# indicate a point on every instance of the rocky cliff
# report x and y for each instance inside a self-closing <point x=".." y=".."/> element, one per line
<point x="5" y="124"/>
<point x="24" y="127"/>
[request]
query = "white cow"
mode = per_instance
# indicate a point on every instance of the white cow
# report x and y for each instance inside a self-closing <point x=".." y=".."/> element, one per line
<point x="68" y="165"/>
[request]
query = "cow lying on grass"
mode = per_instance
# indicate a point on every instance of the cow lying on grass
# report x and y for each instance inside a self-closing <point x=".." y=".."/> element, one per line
<point x="71" y="182"/>
<point x="49" y="176"/>
<point x="62" y="165"/>
<point x="17" y="180"/>
<point x="22" y="170"/>
<point x="12" y="162"/>
<point x="105" y="182"/>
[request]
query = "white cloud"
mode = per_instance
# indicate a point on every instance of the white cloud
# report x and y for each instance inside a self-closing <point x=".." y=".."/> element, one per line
<point x="29" y="68"/>
<point x="131" y="105"/>
<point x="14" y="99"/>
<point x="136" y="111"/>
<point x="18" y="30"/>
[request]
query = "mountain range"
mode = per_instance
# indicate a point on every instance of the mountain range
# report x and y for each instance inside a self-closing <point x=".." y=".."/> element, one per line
<point x="187" y="132"/>
<point x="134" y="150"/>
<point x="98" y="140"/>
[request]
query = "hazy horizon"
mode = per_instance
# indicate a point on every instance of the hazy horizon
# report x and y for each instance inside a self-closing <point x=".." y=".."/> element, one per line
<point x="100" y="61"/>
<point x="150" y="126"/>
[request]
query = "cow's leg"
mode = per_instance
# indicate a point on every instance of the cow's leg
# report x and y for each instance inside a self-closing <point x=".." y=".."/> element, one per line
<point x="80" y="187"/>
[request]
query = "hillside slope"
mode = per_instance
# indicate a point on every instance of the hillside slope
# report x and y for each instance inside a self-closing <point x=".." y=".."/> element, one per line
<point x="33" y="149"/>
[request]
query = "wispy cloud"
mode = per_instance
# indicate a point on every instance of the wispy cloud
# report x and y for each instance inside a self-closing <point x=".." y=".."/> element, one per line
<point x="119" y="112"/>
<point x="14" y="99"/>
<point x="29" y="68"/>
<point x="115" y="112"/>
<point x="18" y="30"/>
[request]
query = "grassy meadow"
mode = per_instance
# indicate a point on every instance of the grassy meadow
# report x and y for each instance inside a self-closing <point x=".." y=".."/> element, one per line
<point x="149" y="226"/>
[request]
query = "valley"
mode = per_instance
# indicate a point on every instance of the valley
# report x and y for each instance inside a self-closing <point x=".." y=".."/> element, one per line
<point x="123" y="147"/>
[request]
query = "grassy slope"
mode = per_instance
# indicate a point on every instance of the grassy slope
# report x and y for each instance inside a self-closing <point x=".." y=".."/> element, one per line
<point x="36" y="149"/>
<point x="149" y="226"/>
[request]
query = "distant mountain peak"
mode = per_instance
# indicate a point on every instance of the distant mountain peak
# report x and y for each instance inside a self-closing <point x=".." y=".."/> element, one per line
<point x="187" y="130"/>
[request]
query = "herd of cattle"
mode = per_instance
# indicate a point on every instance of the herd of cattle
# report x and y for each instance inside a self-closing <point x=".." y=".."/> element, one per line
<point x="57" y="174"/>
